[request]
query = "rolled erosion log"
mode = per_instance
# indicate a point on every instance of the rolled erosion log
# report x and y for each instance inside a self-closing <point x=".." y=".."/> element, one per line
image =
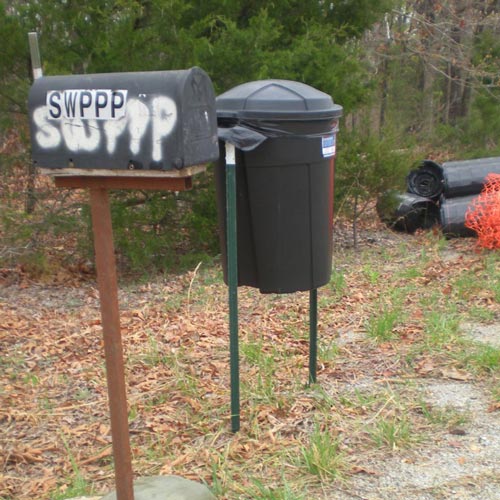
<point x="464" y="178"/>
<point x="407" y="211"/>
<point x="426" y="180"/>
<point x="452" y="215"/>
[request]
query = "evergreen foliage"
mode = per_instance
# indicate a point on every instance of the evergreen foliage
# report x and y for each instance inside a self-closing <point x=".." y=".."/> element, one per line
<point x="404" y="71"/>
<point x="234" y="41"/>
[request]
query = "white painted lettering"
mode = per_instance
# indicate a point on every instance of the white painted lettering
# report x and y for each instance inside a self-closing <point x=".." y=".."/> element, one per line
<point x="137" y="119"/>
<point x="47" y="136"/>
<point x="164" y="120"/>
<point x="112" y="130"/>
<point x="138" y="116"/>
<point x="81" y="135"/>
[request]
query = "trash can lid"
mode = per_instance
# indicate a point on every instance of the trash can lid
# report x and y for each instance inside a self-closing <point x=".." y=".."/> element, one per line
<point x="279" y="99"/>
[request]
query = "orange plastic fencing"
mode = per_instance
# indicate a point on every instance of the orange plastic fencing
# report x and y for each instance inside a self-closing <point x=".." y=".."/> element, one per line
<point x="483" y="214"/>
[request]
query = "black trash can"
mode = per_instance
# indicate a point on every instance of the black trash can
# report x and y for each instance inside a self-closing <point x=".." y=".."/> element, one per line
<point x="285" y="137"/>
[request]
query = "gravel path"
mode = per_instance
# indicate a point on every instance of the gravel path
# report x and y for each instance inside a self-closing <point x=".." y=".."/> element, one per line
<point x="463" y="464"/>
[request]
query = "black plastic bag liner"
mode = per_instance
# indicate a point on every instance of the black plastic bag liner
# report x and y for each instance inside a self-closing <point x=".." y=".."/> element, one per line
<point x="426" y="180"/>
<point x="407" y="211"/>
<point x="463" y="178"/>
<point x="243" y="138"/>
<point x="452" y="214"/>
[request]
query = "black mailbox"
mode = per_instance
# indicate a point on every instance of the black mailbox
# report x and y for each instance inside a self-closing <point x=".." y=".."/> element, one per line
<point x="159" y="120"/>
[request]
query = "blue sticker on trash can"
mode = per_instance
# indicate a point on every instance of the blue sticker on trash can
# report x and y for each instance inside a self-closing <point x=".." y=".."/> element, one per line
<point x="328" y="145"/>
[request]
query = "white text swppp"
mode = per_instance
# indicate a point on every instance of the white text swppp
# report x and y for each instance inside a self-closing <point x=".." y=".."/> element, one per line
<point x="93" y="104"/>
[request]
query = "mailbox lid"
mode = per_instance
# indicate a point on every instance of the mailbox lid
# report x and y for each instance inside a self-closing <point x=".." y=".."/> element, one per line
<point x="157" y="120"/>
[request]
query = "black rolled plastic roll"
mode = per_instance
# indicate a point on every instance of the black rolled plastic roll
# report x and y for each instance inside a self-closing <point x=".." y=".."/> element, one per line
<point x="426" y="180"/>
<point x="407" y="211"/>
<point x="464" y="178"/>
<point x="452" y="213"/>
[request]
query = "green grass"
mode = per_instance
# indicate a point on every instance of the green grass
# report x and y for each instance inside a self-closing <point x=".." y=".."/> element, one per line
<point x="31" y="379"/>
<point x="380" y="326"/>
<point x="280" y="492"/>
<point x="324" y="402"/>
<point x="327" y="350"/>
<point x="322" y="456"/>
<point x="410" y="273"/>
<point x="481" y="314"/>
<point x="467" y="284"/>
<point x="492" y="268"/>
<point x="262" y="385"/>
<point x="361" y="400"/>
<point x="441" y="329"/>
<point x="154" y="354"/>
<point x="495" y="393"/>
<point x="442" y="417"/>
<point x="253" y="352"/>
<point x="480" y="357"/>
<point x="76" y="485"/>
<point x="429" y="299"/>
<point x="495" y="289"/>
<point x="371" y="274"/>
<point x="83" y="394"/>
<point x="437" y="242"/>
<point x="393" y="432"/>
<point x="337" y="283"/>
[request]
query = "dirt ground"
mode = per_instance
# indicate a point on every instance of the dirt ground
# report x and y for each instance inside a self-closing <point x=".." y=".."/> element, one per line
<point x="53" y="413"/>
<point x="462" y="464"/>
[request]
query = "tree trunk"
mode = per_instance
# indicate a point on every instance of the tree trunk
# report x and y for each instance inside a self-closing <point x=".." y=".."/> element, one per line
<point x="427" y="108"/>
<point x="384" y="94"/>
<point x="461" y="35"/>
<point x="30" y="200"/>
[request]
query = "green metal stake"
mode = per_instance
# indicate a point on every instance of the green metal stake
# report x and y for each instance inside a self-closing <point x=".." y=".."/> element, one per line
<point x="232" y="279"/>
<point x="313" y="334"/>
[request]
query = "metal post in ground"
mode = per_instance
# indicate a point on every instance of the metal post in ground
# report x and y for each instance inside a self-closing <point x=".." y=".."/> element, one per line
<point x="113" y="349"/>
<point x="313" y="334"/>
<point x="232" y="278"/>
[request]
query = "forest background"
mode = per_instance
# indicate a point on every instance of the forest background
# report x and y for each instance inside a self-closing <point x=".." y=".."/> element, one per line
<point x="417" y="79"/>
